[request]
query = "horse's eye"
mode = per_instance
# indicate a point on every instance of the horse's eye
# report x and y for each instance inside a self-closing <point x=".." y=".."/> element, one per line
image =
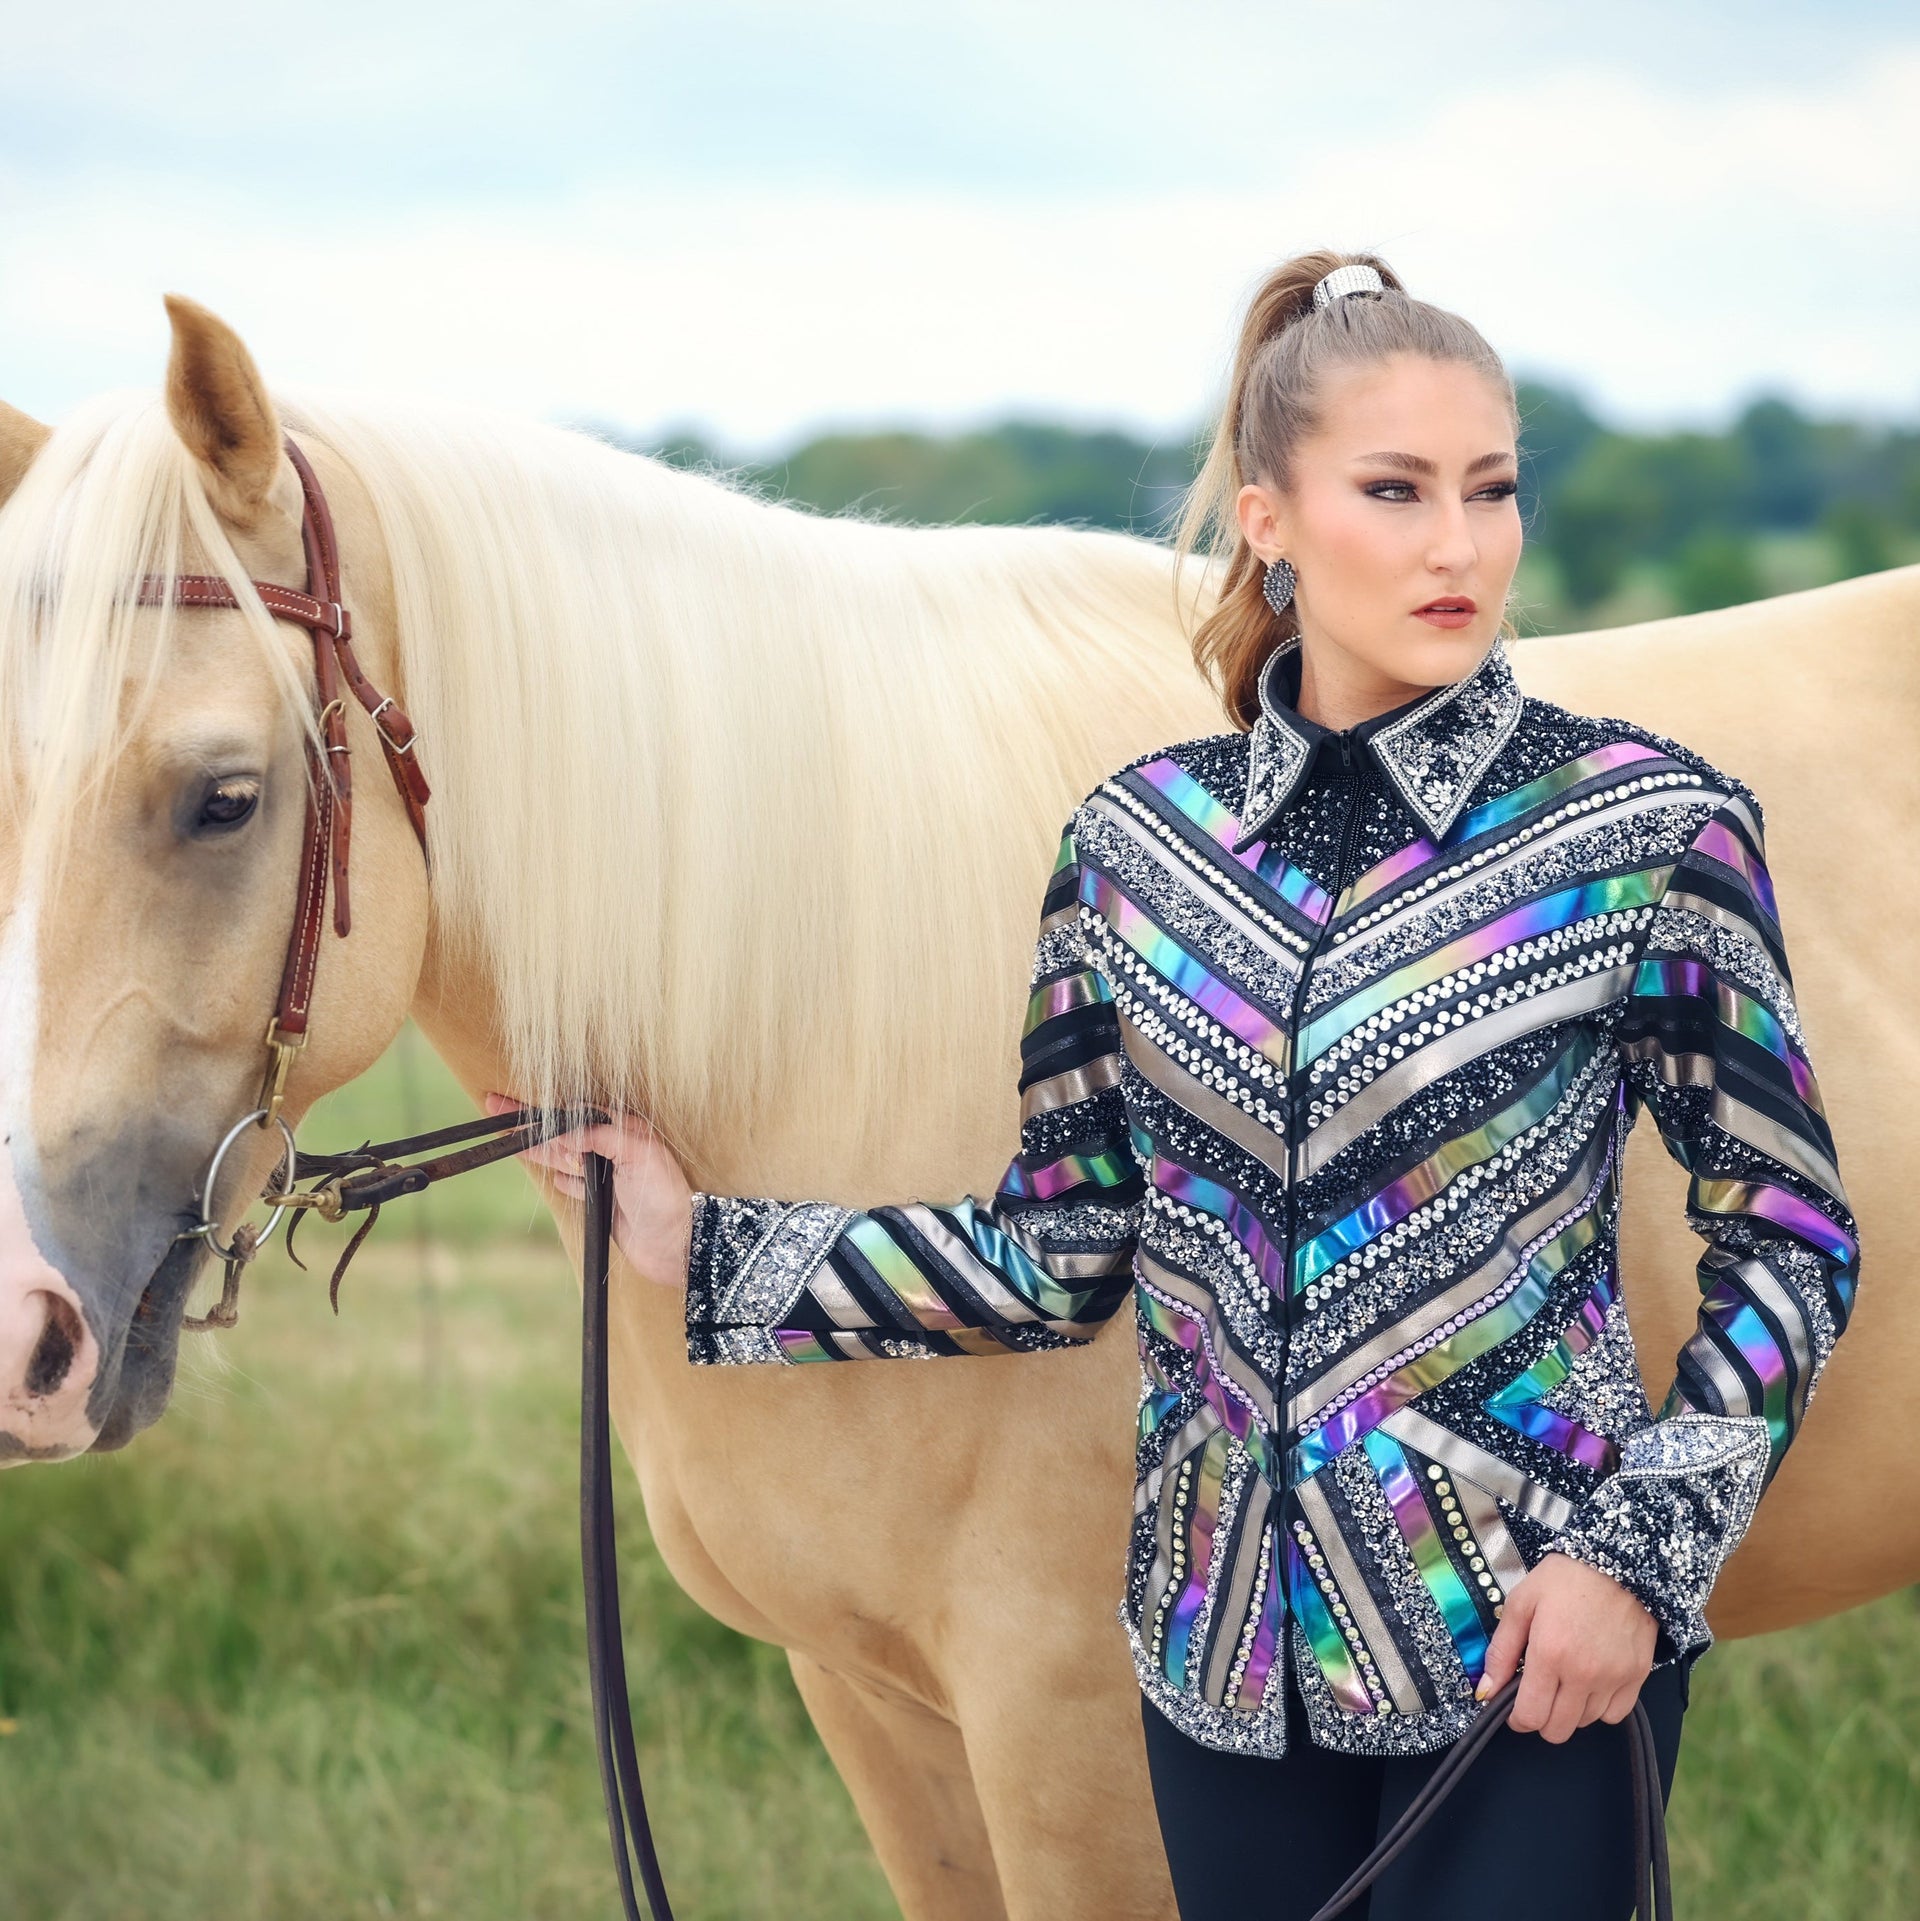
<point x="228" y="803"/>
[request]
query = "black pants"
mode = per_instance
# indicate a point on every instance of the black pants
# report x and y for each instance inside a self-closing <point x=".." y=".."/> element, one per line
<point x="1535" y="1830"/>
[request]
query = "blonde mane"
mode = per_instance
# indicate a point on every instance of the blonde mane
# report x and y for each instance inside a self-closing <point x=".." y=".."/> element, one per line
<point x="712" y="775"/>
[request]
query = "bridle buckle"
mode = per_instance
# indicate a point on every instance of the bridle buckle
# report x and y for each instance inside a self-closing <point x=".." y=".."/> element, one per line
<point x="281" y="1048"/>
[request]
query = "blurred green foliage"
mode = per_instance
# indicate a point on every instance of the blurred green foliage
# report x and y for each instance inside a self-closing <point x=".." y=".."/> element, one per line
<point x="1620" y="525"/>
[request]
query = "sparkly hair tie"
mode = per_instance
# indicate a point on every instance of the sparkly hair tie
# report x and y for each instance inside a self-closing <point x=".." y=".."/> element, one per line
<point x="1359" y="278"/>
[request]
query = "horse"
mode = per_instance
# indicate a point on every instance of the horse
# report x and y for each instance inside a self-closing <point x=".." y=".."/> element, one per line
<point x="736" y="807"/>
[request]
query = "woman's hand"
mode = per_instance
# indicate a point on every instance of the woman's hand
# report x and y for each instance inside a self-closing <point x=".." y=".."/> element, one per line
<point x="652" y="1199"/>
<point x="1588" y="1641"/>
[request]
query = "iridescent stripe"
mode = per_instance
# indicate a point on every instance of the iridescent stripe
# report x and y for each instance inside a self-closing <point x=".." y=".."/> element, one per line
<point x="1108" y="1168"/>
<point x="1266" y="1637"/>
<point x="1488" y="1328"/>
<point x="1224" y="1204"/>
<point x="1684" y="977"/>
<point x="1498" y="812"/>
<point x="1331" y="1654"/>
<point x="1296" y="888"/>
<point x="1176" y="1324"/>
<point x="1158" y="1403"/>
<point x="1728" y="1196"/>
<point x="895" y="1267"/>
<point x="798" y="1345"/>
<point x="1174" y="964"/>
<point x="1518" y="1403"/>
<point x="1543" y="916"/>
<point x="1392" y="1203"/>
<point x="1741" y="1326"/>
<point x="1062" y="995"/>
<point x="1004" y="1256"/>
<point x="1205" y="1517"/>
<point x="1724" y="845"/>
<point x="1442" y="1578"/>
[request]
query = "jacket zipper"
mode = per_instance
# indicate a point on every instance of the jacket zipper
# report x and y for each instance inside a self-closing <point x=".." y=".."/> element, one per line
<point x="1349" y="767"/>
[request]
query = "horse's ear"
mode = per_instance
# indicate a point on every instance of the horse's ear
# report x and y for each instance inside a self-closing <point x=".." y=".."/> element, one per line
<point x="21" y="437"/>
<point x="220" y="408"/>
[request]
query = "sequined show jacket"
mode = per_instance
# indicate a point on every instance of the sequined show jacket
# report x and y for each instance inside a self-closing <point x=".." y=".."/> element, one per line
<point x="1333" y="1046"/>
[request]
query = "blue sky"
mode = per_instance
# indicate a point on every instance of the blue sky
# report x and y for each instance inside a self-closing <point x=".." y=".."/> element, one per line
<point x="766" y="219"/>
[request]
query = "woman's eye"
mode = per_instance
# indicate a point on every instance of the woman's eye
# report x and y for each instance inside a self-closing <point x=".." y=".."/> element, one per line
<point x="228" y="803"/>
<point x="1399" y="489"/>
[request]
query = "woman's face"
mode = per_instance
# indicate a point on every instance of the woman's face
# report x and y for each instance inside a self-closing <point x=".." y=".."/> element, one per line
<point x="1405" y="497"/>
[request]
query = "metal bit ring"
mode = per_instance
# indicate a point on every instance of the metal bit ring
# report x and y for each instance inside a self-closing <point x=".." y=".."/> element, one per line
<point x="287" y="1172"/>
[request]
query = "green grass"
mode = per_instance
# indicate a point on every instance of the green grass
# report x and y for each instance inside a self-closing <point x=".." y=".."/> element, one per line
<point x="313" y="1647"/>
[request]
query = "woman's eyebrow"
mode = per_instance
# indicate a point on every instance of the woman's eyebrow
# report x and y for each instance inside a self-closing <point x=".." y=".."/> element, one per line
<point x="1419" y="464"/>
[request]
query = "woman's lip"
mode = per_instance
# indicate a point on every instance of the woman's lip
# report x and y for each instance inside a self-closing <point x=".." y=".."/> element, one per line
<point x="1451" y="617"/>
<point x="1449" y="605"/>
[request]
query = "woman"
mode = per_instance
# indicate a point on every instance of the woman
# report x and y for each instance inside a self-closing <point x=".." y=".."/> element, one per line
<point x="1339" y="1019"/>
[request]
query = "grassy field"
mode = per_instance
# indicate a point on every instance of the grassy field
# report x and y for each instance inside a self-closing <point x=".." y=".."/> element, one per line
<point x="313" y="1646"/>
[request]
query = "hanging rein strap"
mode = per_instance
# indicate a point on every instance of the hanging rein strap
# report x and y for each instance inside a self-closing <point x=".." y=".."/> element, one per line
<point x="371" y="1175"/>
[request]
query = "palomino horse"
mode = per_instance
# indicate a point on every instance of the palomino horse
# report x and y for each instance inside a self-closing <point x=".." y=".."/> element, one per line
<point x="735" y="808"/>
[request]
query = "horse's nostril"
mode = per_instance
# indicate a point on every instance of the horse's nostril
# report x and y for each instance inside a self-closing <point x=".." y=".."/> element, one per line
<point x="53" y="1354"/>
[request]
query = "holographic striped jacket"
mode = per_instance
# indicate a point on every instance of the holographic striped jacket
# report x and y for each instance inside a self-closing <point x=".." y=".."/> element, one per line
<point x="1333" y="1046"/>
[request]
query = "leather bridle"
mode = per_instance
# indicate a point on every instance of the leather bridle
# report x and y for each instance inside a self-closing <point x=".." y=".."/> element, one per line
<point x="329" y="825"/>
<point x="369" y="1175"/>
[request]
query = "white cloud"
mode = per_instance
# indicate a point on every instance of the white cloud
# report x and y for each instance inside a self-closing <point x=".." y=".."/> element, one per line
<point x="1668" y="252"/>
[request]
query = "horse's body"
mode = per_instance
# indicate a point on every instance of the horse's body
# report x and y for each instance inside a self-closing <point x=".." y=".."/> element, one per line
<point x="690" y="753"/>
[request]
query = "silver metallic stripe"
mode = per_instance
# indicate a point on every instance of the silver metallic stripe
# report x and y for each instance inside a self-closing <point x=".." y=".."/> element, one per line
<point x="1352" y="1584"/>
<point x="1490" y="1530"/>
<point x="1076" y="1084"/>
<point x="966" y="1262"/>
<point x="1230" y="1611"/>
<point x="1212" y="1109"/>
<point x="1472" y="1462"/>
<point x="836" y="1301"/>
<point x="1460" y="1048"/>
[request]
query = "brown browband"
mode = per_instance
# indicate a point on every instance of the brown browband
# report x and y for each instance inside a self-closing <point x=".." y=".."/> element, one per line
<point x="329" y="824"/>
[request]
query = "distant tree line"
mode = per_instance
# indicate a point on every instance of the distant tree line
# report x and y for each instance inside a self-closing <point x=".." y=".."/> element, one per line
<point x="1776" y="499"/>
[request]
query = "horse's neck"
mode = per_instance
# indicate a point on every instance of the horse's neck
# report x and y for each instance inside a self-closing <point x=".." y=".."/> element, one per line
<point x="823" y="811"/>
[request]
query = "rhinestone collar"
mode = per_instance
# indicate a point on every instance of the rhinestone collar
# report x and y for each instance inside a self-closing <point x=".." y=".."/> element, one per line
<point x="1434" y="750"/>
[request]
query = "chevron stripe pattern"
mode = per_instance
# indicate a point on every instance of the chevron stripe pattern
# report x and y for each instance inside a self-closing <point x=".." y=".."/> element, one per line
<point x="1331" y="1051"/>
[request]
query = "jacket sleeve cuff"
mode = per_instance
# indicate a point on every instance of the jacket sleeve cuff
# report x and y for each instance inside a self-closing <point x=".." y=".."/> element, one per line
<point x="1665" y="1523"/>
<point x="749" y="1262"/>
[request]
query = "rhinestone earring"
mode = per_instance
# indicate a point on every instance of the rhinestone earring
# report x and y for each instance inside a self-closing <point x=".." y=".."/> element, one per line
<point x="1277" y="587"/>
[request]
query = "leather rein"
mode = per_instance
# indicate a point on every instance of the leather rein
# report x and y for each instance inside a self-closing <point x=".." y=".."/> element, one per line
<point x="368" y="1176"/>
